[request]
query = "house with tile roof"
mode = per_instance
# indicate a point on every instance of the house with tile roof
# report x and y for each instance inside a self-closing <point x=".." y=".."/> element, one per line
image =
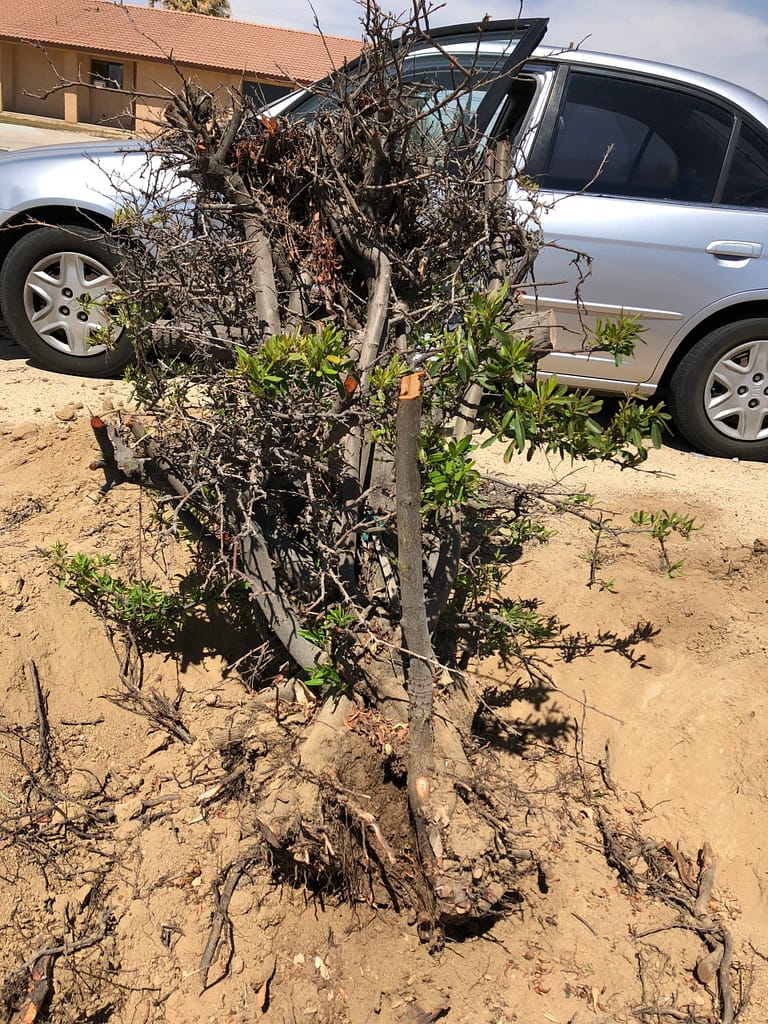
<point x="100" y="62"/>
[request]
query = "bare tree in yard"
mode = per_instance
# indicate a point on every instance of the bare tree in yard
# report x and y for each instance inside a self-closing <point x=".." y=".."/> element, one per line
<point x="346" y="299"/>
<point x="215" y="8"/>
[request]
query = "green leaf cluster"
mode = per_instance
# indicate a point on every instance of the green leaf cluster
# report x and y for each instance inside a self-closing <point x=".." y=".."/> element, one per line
<point x="449" y="474"/>
<point x="544" y="414"/>
<point x="152" y="615"/>
<point x="618" y="336"/>
<point x="662" y="524"/>
<point x="311" y="362"/>
<point x="325" y="633"/>
<point x="484" y="349"/>
<point x="385" y="378"/>
<point x="324" y="676"/>
<point x="529" y="412"/>
<point x="511" y="626"/>
<point x="322" y="631"/>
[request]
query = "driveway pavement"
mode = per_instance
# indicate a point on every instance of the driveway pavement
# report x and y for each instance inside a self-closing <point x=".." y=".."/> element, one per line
<point x="25" y="136"/>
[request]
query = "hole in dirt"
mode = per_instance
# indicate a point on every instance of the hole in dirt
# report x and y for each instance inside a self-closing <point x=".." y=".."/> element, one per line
<point x="478" y="927"/>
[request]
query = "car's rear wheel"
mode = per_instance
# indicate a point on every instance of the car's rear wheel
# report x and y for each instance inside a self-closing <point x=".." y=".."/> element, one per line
<point x="53" y="285"/>
<point x="718" y="394"/>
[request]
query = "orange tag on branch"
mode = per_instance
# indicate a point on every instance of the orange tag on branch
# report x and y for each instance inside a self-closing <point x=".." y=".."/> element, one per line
<point x="410" y="386"/>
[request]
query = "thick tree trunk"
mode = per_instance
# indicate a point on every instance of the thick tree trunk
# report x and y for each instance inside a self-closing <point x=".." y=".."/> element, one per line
<point x="262" y="274"/>
<point x="416" y="636"/>
<point x="355" y="454"/>
<point x="456" y="844"/>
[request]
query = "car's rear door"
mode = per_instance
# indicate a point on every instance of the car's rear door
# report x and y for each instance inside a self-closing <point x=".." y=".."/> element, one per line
<point x="631" y="168"/>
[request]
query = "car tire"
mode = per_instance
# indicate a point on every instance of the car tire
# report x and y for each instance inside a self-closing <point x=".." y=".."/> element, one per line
<point x="718" y="393"/>
<point x="44" y="276"/>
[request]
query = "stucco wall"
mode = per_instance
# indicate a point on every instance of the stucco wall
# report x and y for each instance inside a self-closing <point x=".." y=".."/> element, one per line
<point x="6" y="75"/>
<point x="112" y="107"/>
<point x="25" y="68"/>
<point x="156" y="83"/>
<point x="29" y="72"/>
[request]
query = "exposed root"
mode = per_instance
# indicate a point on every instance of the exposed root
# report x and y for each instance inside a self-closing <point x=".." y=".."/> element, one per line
<point x="662" y="871"/>
<point x="336" y="809"/>
<point x="221" y="925"/>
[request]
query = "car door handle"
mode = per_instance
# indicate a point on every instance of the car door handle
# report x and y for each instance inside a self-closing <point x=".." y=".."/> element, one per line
<point x="736" y="250"/>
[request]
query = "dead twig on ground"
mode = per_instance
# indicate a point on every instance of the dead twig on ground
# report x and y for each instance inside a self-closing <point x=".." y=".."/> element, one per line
<point x="66" y="948"/>
<point x="222" y="892"/>
<point x="657" y="1012"/>
<point x="43" y="728"/>
<point x="584" y="922"/>
<point x="154" y="706"/>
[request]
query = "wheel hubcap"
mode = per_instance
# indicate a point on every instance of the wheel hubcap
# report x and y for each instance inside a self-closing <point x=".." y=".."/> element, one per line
<point x="63" y="299"/>
<point x="736" y="397"/>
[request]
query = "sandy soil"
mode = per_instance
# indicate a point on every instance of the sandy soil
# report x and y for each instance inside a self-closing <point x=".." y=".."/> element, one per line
<point x="671" y="672"/>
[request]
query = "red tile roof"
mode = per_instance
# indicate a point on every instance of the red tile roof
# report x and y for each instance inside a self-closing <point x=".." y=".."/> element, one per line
<point x="98" y="26"/>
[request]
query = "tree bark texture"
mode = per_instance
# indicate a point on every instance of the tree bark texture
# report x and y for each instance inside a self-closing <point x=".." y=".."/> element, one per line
<point x="416" y="637"/>
<point x="263" y="275"/>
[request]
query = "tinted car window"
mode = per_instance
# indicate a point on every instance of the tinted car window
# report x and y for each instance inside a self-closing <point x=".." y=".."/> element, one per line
<point x="260" y="94"/>
<point x="435" y="74"/>
<point x="747" y="183"/>
<point x="632" y="138"/>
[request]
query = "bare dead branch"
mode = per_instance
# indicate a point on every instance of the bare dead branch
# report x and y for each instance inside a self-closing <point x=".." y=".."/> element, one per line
<point x="222" y="892"/>
<point x="43" y="727"/>
<point x="67" y="948"/>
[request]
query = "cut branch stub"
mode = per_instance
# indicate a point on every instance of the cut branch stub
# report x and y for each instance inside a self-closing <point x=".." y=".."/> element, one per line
<point x="414" y="617"/>
<point x="415" y="628"/>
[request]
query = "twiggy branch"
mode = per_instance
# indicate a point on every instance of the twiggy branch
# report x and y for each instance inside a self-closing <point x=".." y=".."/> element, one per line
<point x="43" y="728"/>
<point x="153" y="706"/>
<point x="221" y="920"/>
<point x="67" y="948"/>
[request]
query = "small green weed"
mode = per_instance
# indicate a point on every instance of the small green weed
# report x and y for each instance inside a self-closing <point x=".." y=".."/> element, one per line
<point x="327" y="633"/>
<point x="151" y="614"/>
<point x="660" y="526"/>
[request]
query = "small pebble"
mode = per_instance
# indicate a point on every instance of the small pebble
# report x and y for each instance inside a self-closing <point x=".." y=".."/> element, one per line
<point x="11" y="584"/>
<point x="23" y="430"/>
<point x="66" y="413"/>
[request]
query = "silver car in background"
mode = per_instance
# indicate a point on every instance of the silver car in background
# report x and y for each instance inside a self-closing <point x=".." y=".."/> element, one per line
<point x="659" y="175"/>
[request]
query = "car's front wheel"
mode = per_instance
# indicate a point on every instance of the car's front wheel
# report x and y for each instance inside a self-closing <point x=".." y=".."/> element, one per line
<point x="53" y="286"/>
<point x="718" y="394"/>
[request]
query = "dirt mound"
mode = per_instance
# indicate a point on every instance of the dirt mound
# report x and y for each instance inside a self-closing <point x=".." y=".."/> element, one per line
<point x="119" y="854"/>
